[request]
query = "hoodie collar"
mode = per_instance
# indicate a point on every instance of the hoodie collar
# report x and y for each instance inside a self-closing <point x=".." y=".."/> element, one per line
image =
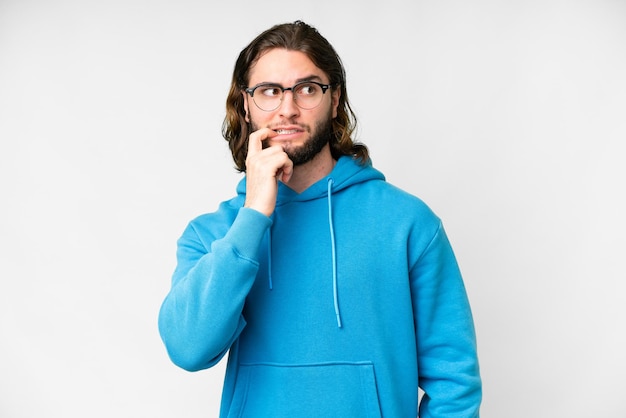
<point x="347" y="172"/>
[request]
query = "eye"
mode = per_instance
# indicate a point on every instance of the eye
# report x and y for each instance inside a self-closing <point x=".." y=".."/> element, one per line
<point x="270" y="91"/>
<point x="307" y="89"/>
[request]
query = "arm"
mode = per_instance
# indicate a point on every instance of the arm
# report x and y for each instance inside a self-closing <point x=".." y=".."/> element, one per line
<point x="446" y="341"/>
<point x="202" y="314"/>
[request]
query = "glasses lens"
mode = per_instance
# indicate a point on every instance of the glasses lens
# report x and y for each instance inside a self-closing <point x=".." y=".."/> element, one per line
<point x="268" y="97"/>
<point x="308" y="95"/>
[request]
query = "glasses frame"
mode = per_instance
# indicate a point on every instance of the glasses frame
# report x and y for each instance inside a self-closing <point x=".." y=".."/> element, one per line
<point x="251" y="90"/>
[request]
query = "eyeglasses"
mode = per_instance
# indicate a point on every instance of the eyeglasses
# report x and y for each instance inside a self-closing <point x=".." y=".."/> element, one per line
<point x="307" y="95"/>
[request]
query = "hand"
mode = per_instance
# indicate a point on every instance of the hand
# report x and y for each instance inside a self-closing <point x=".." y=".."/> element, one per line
<point x="264" y="168"/>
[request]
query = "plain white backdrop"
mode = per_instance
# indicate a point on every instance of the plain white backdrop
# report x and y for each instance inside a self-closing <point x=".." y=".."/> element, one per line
<point x="507" y="117"/>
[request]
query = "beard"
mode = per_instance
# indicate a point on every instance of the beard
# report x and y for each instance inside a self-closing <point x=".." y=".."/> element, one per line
<point x="320" y="136"/>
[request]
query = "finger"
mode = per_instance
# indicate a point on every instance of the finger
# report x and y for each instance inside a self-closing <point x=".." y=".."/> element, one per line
<point x="286" y="171"/>
<point x="255" y="140"/>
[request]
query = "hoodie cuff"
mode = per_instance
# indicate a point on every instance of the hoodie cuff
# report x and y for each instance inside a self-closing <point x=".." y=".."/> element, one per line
<point x="247" y="232"/>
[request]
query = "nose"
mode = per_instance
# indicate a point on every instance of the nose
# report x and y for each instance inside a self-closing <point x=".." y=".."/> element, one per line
<point x="288" y="107"/>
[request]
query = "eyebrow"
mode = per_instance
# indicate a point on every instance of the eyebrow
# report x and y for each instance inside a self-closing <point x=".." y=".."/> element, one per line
<point x="311" y="77"/>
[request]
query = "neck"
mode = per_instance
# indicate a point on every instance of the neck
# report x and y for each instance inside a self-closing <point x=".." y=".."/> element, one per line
<point x="310" y="173"/>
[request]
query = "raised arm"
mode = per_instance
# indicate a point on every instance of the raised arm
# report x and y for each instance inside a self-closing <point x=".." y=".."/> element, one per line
<point x="202" y="314"/>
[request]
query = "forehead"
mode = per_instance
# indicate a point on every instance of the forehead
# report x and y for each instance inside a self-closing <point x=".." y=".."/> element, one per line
<point x="285" y="67"/>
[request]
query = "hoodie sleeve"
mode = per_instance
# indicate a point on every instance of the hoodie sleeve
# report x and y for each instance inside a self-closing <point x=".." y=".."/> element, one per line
<point x="201" y="316"/>
<point x="446" y="342"/>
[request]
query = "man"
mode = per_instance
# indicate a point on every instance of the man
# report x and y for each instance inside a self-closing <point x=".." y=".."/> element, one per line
<point x="335" y="293"/>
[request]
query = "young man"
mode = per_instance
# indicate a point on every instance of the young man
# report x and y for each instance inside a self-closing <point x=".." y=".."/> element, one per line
<point x="335" y="293"/>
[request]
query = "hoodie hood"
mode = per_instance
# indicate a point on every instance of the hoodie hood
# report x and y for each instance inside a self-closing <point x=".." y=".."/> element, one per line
<point x="347" y="172"/>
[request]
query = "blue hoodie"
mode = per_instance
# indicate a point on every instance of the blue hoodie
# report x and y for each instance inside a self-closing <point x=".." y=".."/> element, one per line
<point x="340" y="305"/>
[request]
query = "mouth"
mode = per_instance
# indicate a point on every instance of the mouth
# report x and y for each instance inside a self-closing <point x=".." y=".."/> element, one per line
<point x="288" y="130"/>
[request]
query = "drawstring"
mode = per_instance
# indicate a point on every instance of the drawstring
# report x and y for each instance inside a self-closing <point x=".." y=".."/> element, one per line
<point x="334" y="253"/>
<point x="269" y="258"/>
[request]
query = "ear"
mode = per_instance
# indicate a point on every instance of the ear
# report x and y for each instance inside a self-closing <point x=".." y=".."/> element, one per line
<point x="336" y="93"/>
<point x="246" y="109"/>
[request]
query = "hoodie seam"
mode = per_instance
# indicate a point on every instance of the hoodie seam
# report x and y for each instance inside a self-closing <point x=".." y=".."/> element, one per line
<point x="430" y="243"/>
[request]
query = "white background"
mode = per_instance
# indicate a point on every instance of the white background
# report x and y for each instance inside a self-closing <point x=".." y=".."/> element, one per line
<point x="507" y="117"/>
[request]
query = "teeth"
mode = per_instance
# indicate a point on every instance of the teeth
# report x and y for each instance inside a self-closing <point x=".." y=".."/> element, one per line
<point x="285" y="131"/>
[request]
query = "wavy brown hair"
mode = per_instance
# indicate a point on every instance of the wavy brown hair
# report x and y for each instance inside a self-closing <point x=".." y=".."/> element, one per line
<point x="297" y="36"/>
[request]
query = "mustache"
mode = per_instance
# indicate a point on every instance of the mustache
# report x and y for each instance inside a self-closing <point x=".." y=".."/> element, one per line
<point x="302" y="126"/>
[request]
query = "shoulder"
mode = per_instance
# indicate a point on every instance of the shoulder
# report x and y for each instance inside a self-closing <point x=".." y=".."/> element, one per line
<point x="389" y="198"/>
<point x="385" y="210"/>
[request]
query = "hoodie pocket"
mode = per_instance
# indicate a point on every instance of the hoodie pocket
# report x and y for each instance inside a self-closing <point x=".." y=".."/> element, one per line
<point x="342" y="390"/>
